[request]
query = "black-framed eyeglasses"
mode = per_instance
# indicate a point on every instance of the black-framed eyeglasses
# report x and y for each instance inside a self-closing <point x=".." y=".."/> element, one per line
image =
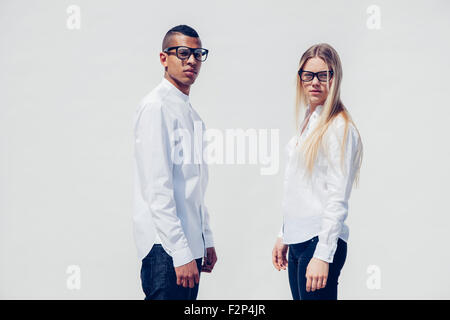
<point x="322" y="76"/>
<point x="183" y="52"/>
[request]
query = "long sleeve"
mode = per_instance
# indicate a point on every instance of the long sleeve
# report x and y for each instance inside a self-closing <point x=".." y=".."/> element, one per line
<point x="208" y="235"/>
<point x="155" y="169"/>
<point x="280" y="233"/>
<point x="209" y="240"/>
<point x="207" y="232"/>
<point x="339" y="181"/>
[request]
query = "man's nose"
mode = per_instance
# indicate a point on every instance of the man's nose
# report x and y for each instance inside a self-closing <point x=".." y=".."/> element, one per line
<point x="191" y="60"/>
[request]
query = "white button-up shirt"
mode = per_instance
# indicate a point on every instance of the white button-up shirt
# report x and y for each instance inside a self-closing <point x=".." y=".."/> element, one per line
<point x="317" y="205"/>
<point x="170" y="177"/>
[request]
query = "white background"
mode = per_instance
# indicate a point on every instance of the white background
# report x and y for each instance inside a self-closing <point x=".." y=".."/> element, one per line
<point x="67" y="101"/>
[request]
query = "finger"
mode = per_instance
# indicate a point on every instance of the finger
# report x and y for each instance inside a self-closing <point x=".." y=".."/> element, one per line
<point x="274" y="259"/>
<point x="279" y="259"/>
<point x="210" y="266"/>
<point x="314" y="284"/>
<point x="178" y="280"/>
<point x="197" y="278"/>
<point x="191" y="282"/>
<point x="206" y="269"/>
<point x="210" y="258"/>
<point x="308" y="283"/>
<point x="324" y="282"/>
<point x="285" y="262"/>
<point x="319" y="282"/>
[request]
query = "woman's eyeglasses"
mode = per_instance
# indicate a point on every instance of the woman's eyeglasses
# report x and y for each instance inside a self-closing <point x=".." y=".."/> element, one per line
<point x="322" y="76"/>
<point x="184" y="53"/>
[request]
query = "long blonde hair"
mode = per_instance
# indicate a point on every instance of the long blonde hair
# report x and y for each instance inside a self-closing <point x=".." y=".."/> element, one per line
<point x="332" y="107"/>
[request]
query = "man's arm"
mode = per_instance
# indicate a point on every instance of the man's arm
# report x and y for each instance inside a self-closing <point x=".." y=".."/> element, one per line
<point x="211" y="257"/>
<point x="209" y="240"/>
<point x="155" y="164"/>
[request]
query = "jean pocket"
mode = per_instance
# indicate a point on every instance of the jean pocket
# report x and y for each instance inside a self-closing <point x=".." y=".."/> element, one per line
<point x="341" y="251"/>
<point x="313" y="241"/>
<point x="312" y="245"/>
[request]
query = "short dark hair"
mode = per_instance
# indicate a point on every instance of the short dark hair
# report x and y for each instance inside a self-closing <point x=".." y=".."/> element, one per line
<point x="183" y="29"/>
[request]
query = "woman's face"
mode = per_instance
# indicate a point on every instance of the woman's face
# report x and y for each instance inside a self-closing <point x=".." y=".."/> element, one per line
<point x="315" y="90"/>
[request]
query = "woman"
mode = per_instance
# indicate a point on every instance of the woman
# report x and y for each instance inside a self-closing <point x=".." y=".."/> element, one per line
<point x="324" y="158"/>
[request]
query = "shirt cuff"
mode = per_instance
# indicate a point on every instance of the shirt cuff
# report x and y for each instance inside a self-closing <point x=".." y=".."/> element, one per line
<point x="280" y="234"/>
<point x="182" y="256"/>
<point x="209" y="242"/>
<point x="325" y="252"/>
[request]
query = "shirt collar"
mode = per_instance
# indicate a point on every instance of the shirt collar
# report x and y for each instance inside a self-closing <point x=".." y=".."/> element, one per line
<point x="317" y="111"/>
<point x="175" y="90"/>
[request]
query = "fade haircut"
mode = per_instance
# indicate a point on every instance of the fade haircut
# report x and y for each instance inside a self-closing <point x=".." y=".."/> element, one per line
<point x="183" y="29"/>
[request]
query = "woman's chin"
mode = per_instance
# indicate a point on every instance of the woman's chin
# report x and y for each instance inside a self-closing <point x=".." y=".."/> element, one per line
<point x="315" y="100"/>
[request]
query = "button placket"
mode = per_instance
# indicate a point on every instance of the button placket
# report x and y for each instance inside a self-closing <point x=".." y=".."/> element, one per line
<point x="199" y="154"/>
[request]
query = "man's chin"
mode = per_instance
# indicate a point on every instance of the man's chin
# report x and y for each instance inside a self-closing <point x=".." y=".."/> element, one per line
<point x="187" y="81"/>
<point x="184" y="80"/>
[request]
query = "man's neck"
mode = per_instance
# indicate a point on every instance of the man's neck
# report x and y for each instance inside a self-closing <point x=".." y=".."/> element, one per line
<point x="183" y="88"/>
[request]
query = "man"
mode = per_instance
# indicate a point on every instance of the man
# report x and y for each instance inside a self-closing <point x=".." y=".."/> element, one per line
<point x="171" y="221"/>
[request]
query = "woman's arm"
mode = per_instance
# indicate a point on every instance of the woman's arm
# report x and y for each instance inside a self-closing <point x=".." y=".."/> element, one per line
<point x="339" y="181"/>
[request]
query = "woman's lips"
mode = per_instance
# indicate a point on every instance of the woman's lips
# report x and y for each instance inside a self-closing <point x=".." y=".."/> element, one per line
<point x="315" y="92"/>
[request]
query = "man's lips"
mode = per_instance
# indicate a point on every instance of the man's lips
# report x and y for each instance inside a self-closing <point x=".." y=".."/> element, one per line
<point x="191" y="71"/>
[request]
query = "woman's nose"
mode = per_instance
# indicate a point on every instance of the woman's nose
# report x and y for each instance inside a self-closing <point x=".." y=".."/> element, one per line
<point x="315" y="81"/>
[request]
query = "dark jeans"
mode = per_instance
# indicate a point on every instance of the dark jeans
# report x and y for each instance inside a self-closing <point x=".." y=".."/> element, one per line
<point x="159" y="280"/>
<point x="298" y="258"/>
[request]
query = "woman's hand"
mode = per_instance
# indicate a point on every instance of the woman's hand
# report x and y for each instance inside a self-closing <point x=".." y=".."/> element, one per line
<point x="279" y="255"/>
<point x="316" y="274"/>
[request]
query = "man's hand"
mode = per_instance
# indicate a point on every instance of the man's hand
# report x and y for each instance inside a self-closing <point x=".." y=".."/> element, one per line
<point x="210" y="260"/>
<point x="316" y="274"/>
<point x="187" y="274"/>
<point x="279" y="255"/>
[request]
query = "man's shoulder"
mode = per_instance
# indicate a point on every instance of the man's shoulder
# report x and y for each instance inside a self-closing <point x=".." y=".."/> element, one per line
<point x="155" y="98"/>
<point x="156" y="101"/>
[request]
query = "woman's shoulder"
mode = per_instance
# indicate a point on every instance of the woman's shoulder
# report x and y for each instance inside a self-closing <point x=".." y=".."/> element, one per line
<point x="340" y="121"/>
<point x="340" y="124"/>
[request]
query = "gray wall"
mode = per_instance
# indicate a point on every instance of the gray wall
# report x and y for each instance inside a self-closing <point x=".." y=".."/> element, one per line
<point x="67" y="100"/>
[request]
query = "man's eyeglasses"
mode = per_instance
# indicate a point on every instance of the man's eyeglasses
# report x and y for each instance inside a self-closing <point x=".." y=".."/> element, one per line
<point x="322" y="76"/>
<point x="184" y="53"/>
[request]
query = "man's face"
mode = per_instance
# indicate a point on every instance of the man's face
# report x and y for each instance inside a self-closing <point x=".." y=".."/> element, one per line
<point x="182" y="72"/>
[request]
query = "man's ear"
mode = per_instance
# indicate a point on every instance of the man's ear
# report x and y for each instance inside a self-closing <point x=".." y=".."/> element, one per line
<point x="163" y="59"/>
